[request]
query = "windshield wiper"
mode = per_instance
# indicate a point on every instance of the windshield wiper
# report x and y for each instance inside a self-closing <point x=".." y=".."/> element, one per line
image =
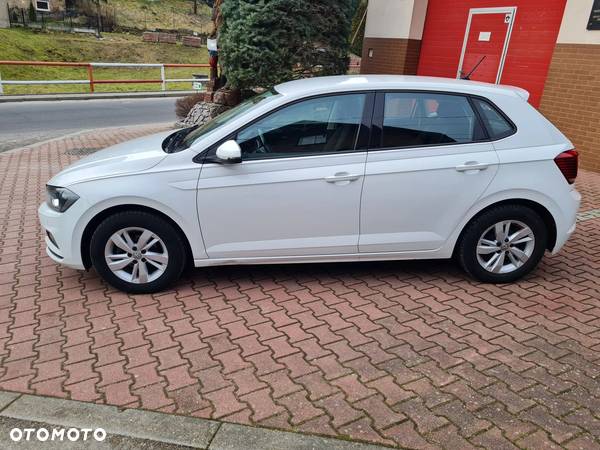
<point x="172" y="143"/>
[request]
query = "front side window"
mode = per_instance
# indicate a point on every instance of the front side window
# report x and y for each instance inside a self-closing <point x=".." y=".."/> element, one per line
<point x="413" y="119"/>
<point x="315" y="126"/>
<point x="190" y="135"/>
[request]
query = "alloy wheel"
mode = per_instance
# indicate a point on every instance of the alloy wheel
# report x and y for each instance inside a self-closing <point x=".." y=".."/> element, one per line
<point x="136" y="255"/>
<point x="505" y="246"/>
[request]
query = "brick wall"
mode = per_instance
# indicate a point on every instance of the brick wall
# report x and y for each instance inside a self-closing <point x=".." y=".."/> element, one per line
<point x="153" y="36"/>
<point x="390" y="56"/>
<point x="192" y="41"/>
<point x="150" y="36"/>
<point x="571" y="98"/>
<point x="168" y="38"/>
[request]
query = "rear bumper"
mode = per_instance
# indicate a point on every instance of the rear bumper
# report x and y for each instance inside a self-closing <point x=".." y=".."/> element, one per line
<point x="566" y="228"/>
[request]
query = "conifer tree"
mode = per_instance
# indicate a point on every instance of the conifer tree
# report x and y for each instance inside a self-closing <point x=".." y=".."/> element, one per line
<point x="265" y="42"/>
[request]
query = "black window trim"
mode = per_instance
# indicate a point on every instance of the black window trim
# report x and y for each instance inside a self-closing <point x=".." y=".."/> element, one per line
<point x="378" y="116"/>
<point x="361" y="143"/>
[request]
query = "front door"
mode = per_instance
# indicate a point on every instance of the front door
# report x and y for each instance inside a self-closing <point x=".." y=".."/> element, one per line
<point x="296" y="191"/>
<point x="485" y="44"/>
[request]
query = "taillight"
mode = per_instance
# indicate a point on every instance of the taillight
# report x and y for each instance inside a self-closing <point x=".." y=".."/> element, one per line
<point x="567" y="163"/>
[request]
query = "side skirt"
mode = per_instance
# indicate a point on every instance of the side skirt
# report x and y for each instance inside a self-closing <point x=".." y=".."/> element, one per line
<point x="387" y="256"/>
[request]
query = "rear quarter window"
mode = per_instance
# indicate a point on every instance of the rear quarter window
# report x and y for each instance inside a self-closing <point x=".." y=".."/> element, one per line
<point x="495" y="122"/>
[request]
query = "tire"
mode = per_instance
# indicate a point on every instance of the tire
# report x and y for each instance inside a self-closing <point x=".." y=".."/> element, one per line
<point x="160" y="259"/>
<point x="481" y="242"/>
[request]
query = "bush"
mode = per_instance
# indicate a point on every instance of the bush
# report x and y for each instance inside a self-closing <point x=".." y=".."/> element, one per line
<point x="183" y="105"/>
<point x="264" y="43"/>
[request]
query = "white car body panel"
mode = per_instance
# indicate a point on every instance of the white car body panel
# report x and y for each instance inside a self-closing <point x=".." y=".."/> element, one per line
<point x="306" y="214"/>
<point x="399" y="182"/>
<point x="127" y="157"/>
<point x="408" y="203"/>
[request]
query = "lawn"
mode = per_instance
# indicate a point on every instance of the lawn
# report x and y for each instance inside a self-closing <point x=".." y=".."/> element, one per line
<point x="22" y="44"/>
<point x="171" y="14"/>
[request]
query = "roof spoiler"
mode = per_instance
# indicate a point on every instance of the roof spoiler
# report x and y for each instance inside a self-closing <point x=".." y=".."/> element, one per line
<point x="524" y="94"/>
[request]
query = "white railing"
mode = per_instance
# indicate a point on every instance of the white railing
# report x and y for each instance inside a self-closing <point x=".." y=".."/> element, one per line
<point x="163" y="80"/>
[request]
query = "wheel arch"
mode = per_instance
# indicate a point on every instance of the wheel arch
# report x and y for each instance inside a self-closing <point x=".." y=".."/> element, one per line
<point x="540" y="209"/>
<point x="92" y="224"/>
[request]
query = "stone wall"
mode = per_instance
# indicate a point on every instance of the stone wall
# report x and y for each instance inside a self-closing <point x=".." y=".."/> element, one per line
<point x="201" y="113"/>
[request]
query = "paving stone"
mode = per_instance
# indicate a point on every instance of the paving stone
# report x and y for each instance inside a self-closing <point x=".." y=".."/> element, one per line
<point x="317" y="347"/>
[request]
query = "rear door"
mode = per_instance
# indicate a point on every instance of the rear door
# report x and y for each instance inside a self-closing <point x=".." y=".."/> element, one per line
<point x="430" y="161"/>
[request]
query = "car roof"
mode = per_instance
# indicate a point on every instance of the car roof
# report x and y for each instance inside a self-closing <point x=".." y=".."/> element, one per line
<point x="344" y="83"/>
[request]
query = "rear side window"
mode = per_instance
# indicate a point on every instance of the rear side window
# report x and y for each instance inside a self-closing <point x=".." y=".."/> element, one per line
<point x="498" y="127"/>
<point x="413" y="119"/>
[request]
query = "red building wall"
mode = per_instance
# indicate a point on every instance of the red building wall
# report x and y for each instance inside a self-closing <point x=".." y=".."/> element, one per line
<point x="532" y="41"/>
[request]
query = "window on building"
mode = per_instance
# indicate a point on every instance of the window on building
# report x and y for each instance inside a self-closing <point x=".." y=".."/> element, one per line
<point x="417" y="119"/>
<point x="42" y="5"/>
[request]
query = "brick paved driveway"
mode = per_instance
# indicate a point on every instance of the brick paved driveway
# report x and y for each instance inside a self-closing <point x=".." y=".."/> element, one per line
<point x="409" y="354"/>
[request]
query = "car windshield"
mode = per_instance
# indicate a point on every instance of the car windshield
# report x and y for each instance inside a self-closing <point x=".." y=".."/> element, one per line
<point x="183" y="139"/>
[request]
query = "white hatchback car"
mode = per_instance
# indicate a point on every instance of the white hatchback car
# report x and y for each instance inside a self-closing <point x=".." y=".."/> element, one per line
<point x="349" y="168"/>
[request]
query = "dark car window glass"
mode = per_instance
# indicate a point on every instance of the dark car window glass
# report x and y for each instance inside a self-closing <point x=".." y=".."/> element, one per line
<point x="197" y="132"/>
<point x="498" y="127"/>
<point x="319" y="125"/>
<point x="416" y="119"/>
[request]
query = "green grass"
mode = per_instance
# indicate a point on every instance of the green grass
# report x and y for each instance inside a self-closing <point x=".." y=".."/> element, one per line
<point x="21" y="44"/>
<point x="168" y="14"/>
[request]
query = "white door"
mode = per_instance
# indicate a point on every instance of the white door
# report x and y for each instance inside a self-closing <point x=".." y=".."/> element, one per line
<point x="434" y="160"/>
<point x="296" y="191"/>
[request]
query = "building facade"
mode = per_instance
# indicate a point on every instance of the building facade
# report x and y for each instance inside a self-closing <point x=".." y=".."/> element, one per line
<point x="549" y="47"/>
<point x="43" y="5"/>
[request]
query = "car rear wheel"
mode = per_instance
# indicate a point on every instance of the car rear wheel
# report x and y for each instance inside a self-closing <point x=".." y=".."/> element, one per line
<point x="503" y="244"/>
<point x="137" y="252"/>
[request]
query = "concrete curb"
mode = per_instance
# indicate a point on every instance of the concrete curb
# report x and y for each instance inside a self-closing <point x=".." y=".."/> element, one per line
<point x="97" y="96"/>
<point x="130" y="428"/>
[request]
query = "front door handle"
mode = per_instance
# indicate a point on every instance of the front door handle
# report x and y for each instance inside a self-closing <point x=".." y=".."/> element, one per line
<point x="341" y="176"/>
<point x="472" y="165"/>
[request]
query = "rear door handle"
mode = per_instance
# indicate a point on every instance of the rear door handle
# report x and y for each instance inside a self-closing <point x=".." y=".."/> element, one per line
<point x="472" y="165"/>
<point x="341" y="176"/>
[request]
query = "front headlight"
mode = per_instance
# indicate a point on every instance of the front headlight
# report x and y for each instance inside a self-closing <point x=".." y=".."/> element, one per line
<point x="60" y="199"/>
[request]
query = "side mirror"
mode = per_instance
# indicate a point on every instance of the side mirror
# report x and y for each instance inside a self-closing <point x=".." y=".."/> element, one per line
<point x="229" y="152"/>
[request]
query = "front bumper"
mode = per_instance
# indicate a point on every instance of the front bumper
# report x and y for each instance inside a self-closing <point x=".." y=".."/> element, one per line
<point x="61" y="237"/>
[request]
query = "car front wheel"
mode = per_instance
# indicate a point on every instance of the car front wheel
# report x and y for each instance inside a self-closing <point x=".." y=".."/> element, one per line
<point x="137" y="252"/>
<point x="503" y="244"/>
